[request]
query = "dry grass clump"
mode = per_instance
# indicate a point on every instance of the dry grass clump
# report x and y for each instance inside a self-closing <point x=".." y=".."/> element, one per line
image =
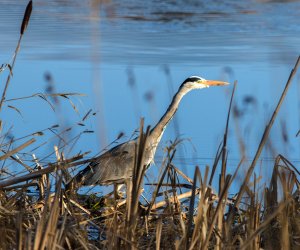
<point x="180" y="213"/>
<point x="174" y="218"/>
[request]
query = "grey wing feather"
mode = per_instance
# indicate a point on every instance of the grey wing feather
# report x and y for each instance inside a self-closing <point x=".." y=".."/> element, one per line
<point x="114" y="166"/>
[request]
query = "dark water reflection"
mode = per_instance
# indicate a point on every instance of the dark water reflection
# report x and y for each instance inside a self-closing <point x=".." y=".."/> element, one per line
<point x="165" y="31"/>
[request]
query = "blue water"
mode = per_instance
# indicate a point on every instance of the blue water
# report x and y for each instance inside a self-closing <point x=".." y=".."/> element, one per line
<point x="129" y="57"/>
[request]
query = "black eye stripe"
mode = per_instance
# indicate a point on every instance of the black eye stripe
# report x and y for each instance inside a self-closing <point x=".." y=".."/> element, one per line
<point x="192" y="79"/>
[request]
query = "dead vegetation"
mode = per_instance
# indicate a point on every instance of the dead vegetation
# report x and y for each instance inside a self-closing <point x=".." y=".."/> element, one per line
<point x="181" y="212"/>
<point x="179" y="215"/>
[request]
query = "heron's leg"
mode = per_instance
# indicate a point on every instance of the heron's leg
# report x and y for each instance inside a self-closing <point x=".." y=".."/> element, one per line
<point x="128" y="196"/>
<point x="118" y="192"/>
<point x="116" y="196"/>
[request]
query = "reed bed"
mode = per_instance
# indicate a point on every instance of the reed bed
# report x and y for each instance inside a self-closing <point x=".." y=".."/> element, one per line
<point x="181" y="213"/>
<point x="184" y="214"/>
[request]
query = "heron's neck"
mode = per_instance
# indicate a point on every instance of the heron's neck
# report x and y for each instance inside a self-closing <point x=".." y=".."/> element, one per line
<point x="157" y="132"/>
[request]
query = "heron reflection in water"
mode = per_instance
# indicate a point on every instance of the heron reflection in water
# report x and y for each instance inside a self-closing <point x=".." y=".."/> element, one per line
<point x="116" y="165"/>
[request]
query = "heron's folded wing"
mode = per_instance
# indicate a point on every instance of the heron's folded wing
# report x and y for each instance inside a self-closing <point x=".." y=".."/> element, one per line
<point x="113" y="166"/>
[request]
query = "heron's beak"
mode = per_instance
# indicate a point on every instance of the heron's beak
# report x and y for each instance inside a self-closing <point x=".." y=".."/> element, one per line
<point x="215" y="83"/>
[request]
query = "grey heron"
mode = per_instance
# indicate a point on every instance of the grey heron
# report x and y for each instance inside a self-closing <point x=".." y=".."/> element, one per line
<point x="116" y="165"/>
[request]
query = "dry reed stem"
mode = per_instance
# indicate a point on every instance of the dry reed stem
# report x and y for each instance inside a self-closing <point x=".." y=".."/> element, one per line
<point x="23" y="28"/>
<point x="223" y="170"/>
<point x="201" y="222"/>
<point x="134" y="186"/>
<point x="182" y="174"/>
<point x="16" y="159"/>
<point x="38" y="173"/>
<point x="197" y="175"/>
<point x="158" y="234"/>
<point x="155" y="193"/>
<point x="171" y="199"/>
<point x="215" y="216"/>
<point x="266" y="222"/>
<point x="14" y="151"/>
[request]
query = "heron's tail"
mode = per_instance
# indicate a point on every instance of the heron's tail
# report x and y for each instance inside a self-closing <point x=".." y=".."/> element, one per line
<point x="79" y="179"/>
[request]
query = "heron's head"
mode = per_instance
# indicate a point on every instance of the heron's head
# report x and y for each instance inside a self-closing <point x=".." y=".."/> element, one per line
<point x="197" y="82"/>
